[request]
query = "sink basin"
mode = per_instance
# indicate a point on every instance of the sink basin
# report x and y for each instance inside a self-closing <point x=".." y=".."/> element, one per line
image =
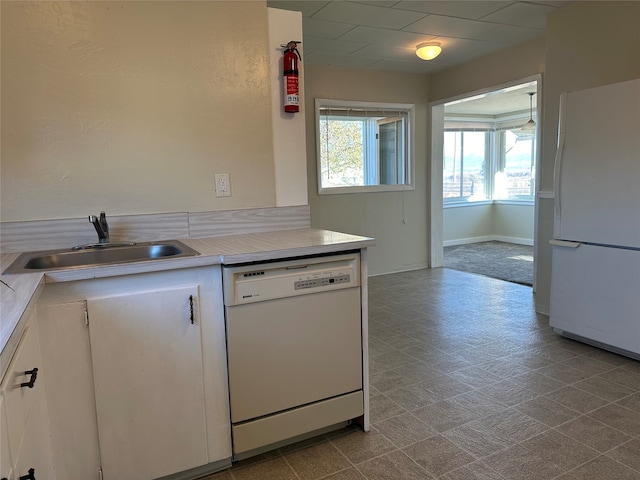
<point x="99" y="254"/>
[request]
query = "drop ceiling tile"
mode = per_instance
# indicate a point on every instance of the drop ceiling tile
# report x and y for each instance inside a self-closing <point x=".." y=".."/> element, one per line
<point x="324" y="28"/>
<point x="407" y="67"/>
<point x="454" y="44"/>
<point x="471" y="29"/>
<point x="326" y="45"/>
<point x="369" y="15"/>
<point x="554" y="3"/>
<point x="451" y="27"/>
<point x="385" y="36"/>
<point x="380" y="3"/>
<point x="464" y="9"/>
<point x="508" y="35"/>
<point x="389" y="52"/>
<point x="307" y="7"/>
<point x="455" y="50"/>
<point x="523" y="14"/>
<point x="458" y="50"/>
<point x="334" y="60"/>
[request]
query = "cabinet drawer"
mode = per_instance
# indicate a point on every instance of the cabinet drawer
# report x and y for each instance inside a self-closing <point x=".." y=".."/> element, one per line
<point x="18" y="399"/>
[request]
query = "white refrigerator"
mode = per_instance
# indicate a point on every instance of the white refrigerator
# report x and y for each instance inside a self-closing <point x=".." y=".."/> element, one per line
<point x="595" y="269"/>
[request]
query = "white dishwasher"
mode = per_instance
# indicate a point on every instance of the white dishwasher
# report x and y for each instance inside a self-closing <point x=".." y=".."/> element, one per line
<point x="294" y="346"/>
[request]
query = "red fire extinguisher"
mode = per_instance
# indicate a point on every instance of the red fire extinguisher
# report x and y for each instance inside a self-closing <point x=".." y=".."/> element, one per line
<point x="290" y="73"/>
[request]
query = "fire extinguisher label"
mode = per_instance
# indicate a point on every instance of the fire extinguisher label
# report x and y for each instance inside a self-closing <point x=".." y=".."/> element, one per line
<point x="291" y="93"/>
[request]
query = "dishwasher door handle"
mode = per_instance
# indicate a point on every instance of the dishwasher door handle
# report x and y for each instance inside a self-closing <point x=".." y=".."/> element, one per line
<point x="297" y="267"/>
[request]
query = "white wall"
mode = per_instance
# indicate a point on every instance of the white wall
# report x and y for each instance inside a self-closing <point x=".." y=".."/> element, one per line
<point x="512" y="222"/>
<point x="497" y="221"/>
<point x="131" y="107"/>
<point x="289" y="142"/>
<point x="465" y="224"/>
<point x="398" y="220"/>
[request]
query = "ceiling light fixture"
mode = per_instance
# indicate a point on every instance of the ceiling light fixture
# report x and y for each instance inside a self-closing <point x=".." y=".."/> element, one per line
<point x="428" y="50"/>
<point x="530" y="126"/>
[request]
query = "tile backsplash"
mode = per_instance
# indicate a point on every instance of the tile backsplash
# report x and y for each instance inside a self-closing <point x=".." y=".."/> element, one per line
<point x="68" y="232"/>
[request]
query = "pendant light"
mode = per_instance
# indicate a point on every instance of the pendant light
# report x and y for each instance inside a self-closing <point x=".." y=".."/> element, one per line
<point x="530" y="126"/>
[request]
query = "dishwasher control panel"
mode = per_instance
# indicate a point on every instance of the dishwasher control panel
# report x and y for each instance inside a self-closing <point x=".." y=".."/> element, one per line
<point x="321" y="282"/>
<point x="267" y="281"/>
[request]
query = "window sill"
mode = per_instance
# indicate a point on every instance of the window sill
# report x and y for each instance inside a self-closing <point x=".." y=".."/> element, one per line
<point x="488" y="202"/>
<point x="455" y="204"/>
<point x="513" y="201"/>
<point x="365" y="189"/>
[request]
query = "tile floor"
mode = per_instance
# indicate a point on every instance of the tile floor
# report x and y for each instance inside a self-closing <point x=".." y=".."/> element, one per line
<point x="467" y="382"/>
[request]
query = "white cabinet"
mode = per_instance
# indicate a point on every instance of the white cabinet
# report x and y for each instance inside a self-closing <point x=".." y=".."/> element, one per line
<point x="64" y="342"/>
<point x="24" y="407"/>
<point x="6" y="464"/>
<point x="139" y="388"/>
<point x="147" y="367"/>
<point x="35" y="450"/>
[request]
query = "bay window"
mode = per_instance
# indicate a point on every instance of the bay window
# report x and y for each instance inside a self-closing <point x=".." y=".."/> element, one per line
<point x="486" y="161"/>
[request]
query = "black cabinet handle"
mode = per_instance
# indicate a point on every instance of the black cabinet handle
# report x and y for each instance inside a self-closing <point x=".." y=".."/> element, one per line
<point x="30" y="383"/>
<point x="191" y="317"/>
<point x="29" y="476"/>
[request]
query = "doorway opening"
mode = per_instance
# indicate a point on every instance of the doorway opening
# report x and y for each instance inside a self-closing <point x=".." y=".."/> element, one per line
<point x="485" y="149"/>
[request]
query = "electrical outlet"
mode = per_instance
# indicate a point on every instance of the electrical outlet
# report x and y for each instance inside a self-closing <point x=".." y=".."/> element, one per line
<point x="223" y="185"/>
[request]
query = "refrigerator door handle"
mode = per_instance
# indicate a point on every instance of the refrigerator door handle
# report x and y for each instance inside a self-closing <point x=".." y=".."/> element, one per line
<point x="564" y="243"/>
<point x="556" y="174"/>
<point x="557" y="167"/>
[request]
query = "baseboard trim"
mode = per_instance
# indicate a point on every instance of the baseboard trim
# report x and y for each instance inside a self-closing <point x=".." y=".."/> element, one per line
<point x="516" y="240"/>
<point x="465" y="241"/>
<point x="488" y="238"/>
<point x="407" y="268"/>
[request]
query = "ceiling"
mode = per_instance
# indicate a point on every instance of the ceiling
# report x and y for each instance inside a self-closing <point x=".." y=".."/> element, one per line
<point x="510" y="100"/>
<point x="382" y="34"/>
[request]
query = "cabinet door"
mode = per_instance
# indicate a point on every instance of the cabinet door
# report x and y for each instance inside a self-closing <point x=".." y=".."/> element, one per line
<point x="18" y="399"/>
<point x="64" y="344"/>
<point x="5" y="455"/>
<point x="35" y="450"/>
<point x="148" y="380"/>
<point x="26" y="414"/>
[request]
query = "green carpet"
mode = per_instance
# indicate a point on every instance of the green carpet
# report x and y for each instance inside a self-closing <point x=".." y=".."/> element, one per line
<point x="505" y="261"/>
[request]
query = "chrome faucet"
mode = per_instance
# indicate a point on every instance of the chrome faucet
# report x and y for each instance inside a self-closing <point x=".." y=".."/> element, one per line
<point x="101" y="226"/>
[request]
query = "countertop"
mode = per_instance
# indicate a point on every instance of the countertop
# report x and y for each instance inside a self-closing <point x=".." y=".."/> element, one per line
<point x="23" y="289"/>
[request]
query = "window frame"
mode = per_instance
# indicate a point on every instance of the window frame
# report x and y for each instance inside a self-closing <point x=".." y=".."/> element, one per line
<point x="408" y="164"/>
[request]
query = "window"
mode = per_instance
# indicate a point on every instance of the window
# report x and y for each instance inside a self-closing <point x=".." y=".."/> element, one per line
<point x="465" y="155"/>
<point x="363" y="146"/>
<point x="487" y="161"/>
<point x="517" y="164"/>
